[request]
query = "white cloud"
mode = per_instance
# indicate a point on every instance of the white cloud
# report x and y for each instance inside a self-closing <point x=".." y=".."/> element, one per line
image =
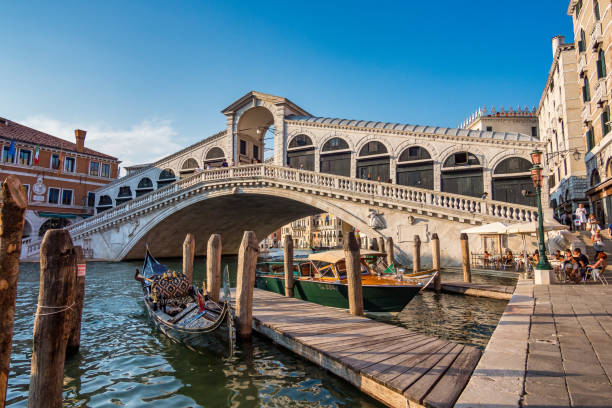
<point x="144" y="142"/>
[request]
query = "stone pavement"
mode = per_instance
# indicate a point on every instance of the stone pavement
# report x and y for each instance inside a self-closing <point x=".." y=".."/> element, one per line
<point x="552" y="348"/>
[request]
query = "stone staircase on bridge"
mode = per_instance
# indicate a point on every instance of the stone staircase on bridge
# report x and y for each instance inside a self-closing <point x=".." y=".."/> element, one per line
<point x="411" y="200"/>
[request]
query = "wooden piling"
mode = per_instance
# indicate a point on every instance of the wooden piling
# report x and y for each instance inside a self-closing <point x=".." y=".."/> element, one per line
<point x="55" y="298"/>
<point x="288" y="262"/>
<point x="188" y="255"/>
<point x="389" y="251"/>
<point x="247" y="260"/>
<point x="435" y="256"/>
<point x="416" y="255"/>
<point x="381" y="244"/>
<point x="465" y="253"/>
<point x="353" y="274"/>
<point x="213" y="266"/>
<point x="12" y="216"/>
<point x="76" y="314"/>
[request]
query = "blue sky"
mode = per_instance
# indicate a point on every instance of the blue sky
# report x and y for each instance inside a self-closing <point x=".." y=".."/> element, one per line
<point x="154" y="75"/>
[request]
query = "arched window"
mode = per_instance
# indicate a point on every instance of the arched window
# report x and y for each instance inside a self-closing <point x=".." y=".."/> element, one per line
<point x="53" y="223"/>
<point x="188" y="168"/>
<point x="125" y="195"/>
<point x="335" y="159"/>
<point x="214" y="157"/>
<point x="601" y="64"/>
<point x="415" y="168"/>
<point x="595" y="179"/>
<point x="372" y="148"/>
<point x="375" y="167"/>
<point x="300" y="141"/>
<point x="105" y="200"/>
<point x="512" y="182"/>
<point x="462" y="174"/>
<point x="335" y="143"/>
<point x="166" y="177"/>
<point x="145" y="185"/>
<point x="300" y="153"/>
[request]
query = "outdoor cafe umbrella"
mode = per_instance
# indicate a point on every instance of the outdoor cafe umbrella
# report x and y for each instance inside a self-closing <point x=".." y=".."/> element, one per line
<point x="528" y="228"/>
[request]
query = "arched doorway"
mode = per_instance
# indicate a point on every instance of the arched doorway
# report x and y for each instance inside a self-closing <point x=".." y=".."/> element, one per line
<point x="145" y="185"/>
<point x="165" y="177"/>
<point x="255" y="136"/>
<point x="512" y="182"/>
<point x="53" y="223"/>
<point x="415" y="168"/>
<point x="300" y="153"/>
<point x="595" y="178"/>
<point x="188" y="168"/>
<point x="336" y="157"/>
<point x="214" y="157"/>
<point x="462" y="174"/>
<point x="104" y="203"/>
<point x="373" y="162"/>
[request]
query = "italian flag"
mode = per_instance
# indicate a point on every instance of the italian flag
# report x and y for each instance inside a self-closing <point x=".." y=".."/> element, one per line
<point x="36" y="152"/>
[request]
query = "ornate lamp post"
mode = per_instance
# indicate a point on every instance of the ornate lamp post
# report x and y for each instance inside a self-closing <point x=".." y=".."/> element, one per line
<point x="536" y="177"/>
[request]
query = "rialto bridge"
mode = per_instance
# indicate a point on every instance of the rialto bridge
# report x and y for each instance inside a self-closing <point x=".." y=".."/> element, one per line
<point x="412" y="179"/>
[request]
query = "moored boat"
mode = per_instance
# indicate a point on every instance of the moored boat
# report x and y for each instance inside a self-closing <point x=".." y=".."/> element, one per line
<point x="181" y="312"/>
<point x="322" y="279"/>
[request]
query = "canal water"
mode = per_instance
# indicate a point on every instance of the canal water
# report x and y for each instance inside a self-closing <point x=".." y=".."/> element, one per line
<point x="124" y="362"/>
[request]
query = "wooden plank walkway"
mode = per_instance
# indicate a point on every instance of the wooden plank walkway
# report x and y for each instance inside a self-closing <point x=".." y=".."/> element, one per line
<point x="398" y="367"/>
<point x="478" y="289"/>
<point x="552" y="348"/>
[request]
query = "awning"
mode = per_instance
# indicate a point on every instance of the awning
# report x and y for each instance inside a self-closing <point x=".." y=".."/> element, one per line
<point x="57" y="215"/>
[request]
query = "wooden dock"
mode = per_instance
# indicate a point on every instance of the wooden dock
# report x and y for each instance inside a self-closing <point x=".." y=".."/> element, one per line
<point x="392" y="364"/>
<point x="478" y="290"/>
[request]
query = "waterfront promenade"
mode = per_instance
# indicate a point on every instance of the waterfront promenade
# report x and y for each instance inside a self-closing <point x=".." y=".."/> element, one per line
<point x="552" y="348"/>
<point x="392" y="364"/>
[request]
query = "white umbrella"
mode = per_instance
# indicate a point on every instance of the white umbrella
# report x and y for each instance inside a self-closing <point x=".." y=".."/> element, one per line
<point x="494" y="228"/>
<point x="527" y="228"/>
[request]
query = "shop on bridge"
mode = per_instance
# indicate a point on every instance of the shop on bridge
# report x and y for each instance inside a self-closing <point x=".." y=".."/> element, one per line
<point x="336" y="157"/>
<point x="214" y="157"/>
<point x="415" y="168"/>
<point x="300" y="153"/>
<point x="512" y="182"/>
<point x="462" y="174"/>
<point x="373" y="162"/>
<point x="189" y="168"/>
<point x="166" y="177"/>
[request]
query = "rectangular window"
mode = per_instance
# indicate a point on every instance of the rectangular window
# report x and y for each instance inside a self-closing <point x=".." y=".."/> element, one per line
<point x="69" y="164"/>
<point x="6" y="156"/>
<point x="586" y="91"/>
<point x="25" y="157"/>
<point x="55" y="161"/>
<point x="489" y="128"/>
<point x="54" y="195"/>
<point x="578" y="8"/>
<point x="91" y="199"/>
<point x="243" y="147"/>
<point x="534" y="131"/>
<point x="605" y="122"/>
<point x="590" y="138"/>
<point x="582" y="42"/>
<point x="27" y="191"/>
<point x="67" y="197"/>
<point x="94" y="168"/>
<point x="105" y="170"/>
<point x="565" y="166"/>
<point x="601" y="64"/>
<point x="256" y="151"/>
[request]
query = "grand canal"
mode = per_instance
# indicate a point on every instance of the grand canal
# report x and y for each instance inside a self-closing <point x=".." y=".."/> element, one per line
<point x="125" y="362"/>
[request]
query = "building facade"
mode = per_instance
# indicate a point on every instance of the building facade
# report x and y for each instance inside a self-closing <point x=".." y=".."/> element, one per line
<point x="519" y="120"/>
<point x="319" y="231"/>
<point x="60" y="177"/>
<point x="560" y="123"/>
<point x="592" y="20"/>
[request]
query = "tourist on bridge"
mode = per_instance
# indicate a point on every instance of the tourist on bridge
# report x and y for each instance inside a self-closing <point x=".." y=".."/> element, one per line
<point x="224" y="164"/>
<point x="581" y="216"/>
<point x="484" y="196"/>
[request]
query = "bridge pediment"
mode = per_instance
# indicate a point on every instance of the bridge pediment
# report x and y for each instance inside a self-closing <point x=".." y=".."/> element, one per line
<point x="255" y="98"/>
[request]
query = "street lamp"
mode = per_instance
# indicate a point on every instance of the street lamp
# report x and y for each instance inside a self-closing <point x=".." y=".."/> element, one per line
<point x="536" y="177"/>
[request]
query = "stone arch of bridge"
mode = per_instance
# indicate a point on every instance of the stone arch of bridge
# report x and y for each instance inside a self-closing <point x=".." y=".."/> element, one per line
<point x="231" y="212"/>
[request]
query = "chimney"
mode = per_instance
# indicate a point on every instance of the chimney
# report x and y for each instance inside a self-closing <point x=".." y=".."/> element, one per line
<point x="80" y="139"/>
<point x="556" y="42"/>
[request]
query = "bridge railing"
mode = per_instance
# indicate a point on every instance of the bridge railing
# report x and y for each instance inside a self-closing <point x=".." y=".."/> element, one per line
<point x="365" y="189"/>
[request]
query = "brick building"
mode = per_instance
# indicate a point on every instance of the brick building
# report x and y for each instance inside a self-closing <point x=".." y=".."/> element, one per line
<point x="59" y="176"/>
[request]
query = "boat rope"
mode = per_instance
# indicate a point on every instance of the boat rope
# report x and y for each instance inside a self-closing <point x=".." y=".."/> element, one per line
<point x="62" y="309"/>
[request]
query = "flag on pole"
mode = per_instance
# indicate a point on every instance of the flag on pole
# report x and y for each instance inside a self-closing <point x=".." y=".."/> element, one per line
<point x="12" y="150"/>
<point x="36" y="152"/>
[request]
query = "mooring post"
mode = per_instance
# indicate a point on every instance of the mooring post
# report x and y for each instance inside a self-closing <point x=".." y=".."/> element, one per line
<point x="353" y="274"/>
<point x="416" y="255"/>
<point x="389" y="251"/>
<point x="435" y="257"/>
<point x="51" y="330"/>
<point x="247" y="260"/>
<point x="188" y="254"/>
<point x="465" y="253"/>
<point x="76" y="314"/>
<point x="12" y="216"/>
<point x="288" y="263"/>
<point x="213" y="267"/>
<point x="381" y="244"/>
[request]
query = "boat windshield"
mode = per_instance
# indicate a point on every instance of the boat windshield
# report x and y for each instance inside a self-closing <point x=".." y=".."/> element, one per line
<point x="341" y="267"/>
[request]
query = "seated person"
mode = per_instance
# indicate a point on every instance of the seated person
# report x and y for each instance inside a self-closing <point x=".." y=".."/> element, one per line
<point x="536" y="256"/>
<point x="577" y="267"/>
<point x="486" y="259"/>
<point x="508" y="258"/>
<point x="558" y="255"/>
<point x="599" y="266"/>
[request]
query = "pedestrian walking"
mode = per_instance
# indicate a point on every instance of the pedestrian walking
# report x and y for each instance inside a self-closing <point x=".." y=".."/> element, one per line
<point x="581" y="216"/>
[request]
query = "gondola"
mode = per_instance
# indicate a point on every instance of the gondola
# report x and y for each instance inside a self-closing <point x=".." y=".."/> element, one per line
<point x="189" y="318"/>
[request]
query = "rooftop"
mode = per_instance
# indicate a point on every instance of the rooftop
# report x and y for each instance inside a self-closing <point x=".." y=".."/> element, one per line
<point x="14" y="131"/>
